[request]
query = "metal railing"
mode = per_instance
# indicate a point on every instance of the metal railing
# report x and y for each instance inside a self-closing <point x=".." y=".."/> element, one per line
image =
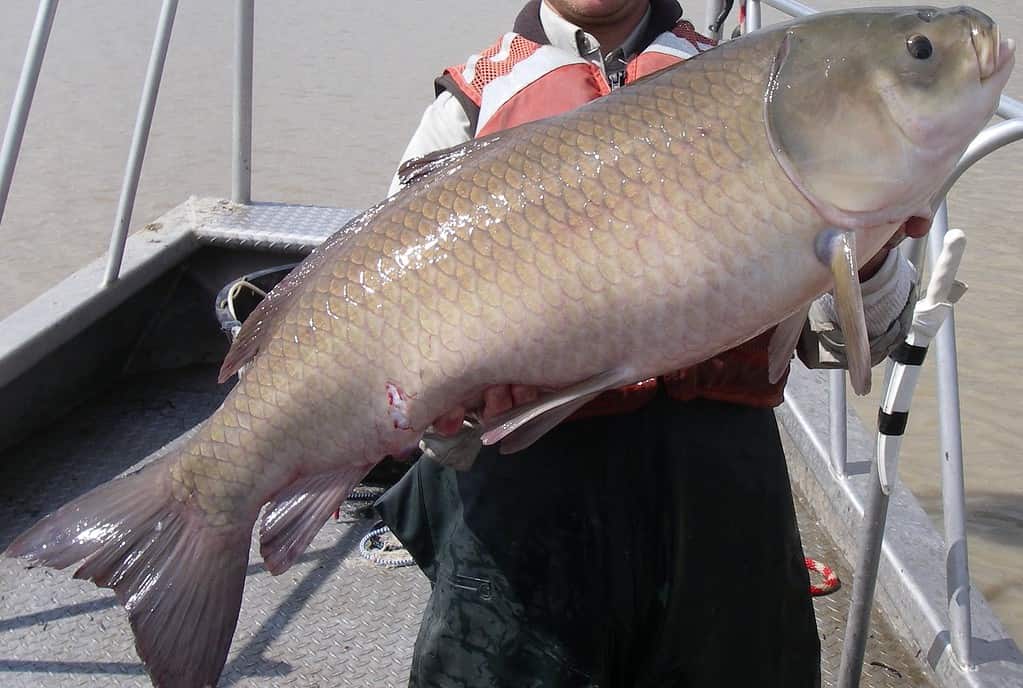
<point x="139" y="141"/>
<point x="950" y="421"/>
<point x="23" y="97"/>
<point x="242" y="142"/>
<point x="241" y="169"/>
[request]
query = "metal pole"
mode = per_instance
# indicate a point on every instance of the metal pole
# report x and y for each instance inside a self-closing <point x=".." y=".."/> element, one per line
<point x="713" y="10"/>
<point x="241" y="172"/>
<point x="23" y="97"/>
<point x="752" y="15"/>
<point x="837" y="419"/>
<point x="957" y="569"/>
<point x="915" y="250"/>
<point x="857" y="626"/>
<point x="139" y="139"/>
<point x="904" y="366"/>
<point x="791" y="7"/>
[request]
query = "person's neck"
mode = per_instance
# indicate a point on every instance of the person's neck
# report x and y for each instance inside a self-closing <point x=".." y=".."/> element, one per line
<point x="610" y="31"/>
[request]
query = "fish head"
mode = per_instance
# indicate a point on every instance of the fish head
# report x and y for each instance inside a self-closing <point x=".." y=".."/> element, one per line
<point x="868" y="111"/>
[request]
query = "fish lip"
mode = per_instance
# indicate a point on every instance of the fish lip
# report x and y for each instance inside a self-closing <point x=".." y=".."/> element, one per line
<point x="1006" y="55"/>
<point x="993" y="52"/>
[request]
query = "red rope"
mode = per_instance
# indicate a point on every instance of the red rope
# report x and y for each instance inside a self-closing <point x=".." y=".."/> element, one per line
<point x="831" y="582"/>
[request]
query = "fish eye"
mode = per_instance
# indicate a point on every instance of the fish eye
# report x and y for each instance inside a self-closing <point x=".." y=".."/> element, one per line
<point x="919" y="47"/>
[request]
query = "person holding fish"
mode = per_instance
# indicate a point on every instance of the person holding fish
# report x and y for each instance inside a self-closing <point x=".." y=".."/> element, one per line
<point x="624" y="250"/>
<point x="650" y="539"/>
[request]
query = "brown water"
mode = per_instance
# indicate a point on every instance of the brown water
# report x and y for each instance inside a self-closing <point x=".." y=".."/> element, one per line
<point x="338" y="89"/>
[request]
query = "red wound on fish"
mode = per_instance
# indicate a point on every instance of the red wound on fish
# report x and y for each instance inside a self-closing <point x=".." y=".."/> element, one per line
<point x="398" y="407"/>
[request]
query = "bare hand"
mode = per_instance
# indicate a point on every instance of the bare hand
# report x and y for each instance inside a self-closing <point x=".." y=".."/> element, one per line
<point x="914" y="228"/>
<point x="496" y="400"/>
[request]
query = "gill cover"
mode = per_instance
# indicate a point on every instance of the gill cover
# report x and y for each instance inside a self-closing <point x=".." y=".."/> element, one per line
<point x="830" y="130"/>
<point x="867" y="111"/>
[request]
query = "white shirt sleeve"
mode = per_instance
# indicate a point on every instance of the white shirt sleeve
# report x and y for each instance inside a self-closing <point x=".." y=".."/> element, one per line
<point x="444" y="124"/>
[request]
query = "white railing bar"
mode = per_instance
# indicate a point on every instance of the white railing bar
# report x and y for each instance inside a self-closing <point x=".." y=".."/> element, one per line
<point x="139" y="139"/>
<point x="953" y="489"/>
<point x="713" y="10"/>
<point x="868" y="558"/>
<point x="23" y="97"/>
<point x="1009" y="108"/>
<point x="837" y="422"/>
<point x="791" y="7"/>
<point x="241" y="169"/>
<point x="753" y="19"/>
<point x="987" y="141"/>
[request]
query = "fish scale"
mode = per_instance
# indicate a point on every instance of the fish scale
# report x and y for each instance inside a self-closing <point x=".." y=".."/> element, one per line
<point x="613" y="243"/>
<point x="453" y="287"/>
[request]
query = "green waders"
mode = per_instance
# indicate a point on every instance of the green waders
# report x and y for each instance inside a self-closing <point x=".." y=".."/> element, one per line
<point x="653" y="549"/>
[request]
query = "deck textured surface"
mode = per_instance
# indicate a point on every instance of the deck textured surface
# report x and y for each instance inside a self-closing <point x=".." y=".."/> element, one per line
<point x="332" y="620"/>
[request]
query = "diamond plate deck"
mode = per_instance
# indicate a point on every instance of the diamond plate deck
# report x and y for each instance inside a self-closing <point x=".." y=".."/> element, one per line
<point x="267" y="226"/>
<point x="332" y="620"/>
<point x="887" y="662"/>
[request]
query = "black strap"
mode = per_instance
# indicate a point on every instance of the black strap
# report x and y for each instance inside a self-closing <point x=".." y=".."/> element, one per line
<point x="909" y="354"/>
<point x="472" y="110"/>
<point x="892" y="423"/>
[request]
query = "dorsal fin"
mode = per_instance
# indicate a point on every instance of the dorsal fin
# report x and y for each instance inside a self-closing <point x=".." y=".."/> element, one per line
<point x="418" y="169"/>
<point x="257" y="327"/>
<point x="263" y="321"/>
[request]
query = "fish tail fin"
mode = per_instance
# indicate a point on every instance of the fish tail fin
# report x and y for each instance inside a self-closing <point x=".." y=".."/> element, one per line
<point x="179" y="578"/>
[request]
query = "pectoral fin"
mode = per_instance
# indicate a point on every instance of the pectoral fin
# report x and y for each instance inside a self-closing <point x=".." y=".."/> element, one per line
<point x="525" y="424"/>
<point x="783" y="343"/>
<point x="838" y="250"/>
<point x="526" y="434"/>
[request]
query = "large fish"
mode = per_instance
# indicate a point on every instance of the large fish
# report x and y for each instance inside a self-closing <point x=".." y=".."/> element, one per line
<point x="642" y="233"/>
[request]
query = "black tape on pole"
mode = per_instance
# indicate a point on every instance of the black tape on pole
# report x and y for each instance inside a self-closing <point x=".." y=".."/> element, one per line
<point x="893" y="423"/>
<point x="908" y="354"/>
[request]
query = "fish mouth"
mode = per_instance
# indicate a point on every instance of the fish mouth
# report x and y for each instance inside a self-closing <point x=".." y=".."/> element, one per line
<point x="994" y="53"/>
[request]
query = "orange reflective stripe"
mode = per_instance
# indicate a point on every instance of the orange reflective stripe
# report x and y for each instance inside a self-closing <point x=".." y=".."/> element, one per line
<point x="516" y="80"/>
<point x="564" y="89"/>
<point x="648" y="63"/>
<point x="474" y="74"/>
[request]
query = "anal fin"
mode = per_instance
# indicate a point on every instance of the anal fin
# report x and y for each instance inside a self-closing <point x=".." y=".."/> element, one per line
<point x="297" y="513"/>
